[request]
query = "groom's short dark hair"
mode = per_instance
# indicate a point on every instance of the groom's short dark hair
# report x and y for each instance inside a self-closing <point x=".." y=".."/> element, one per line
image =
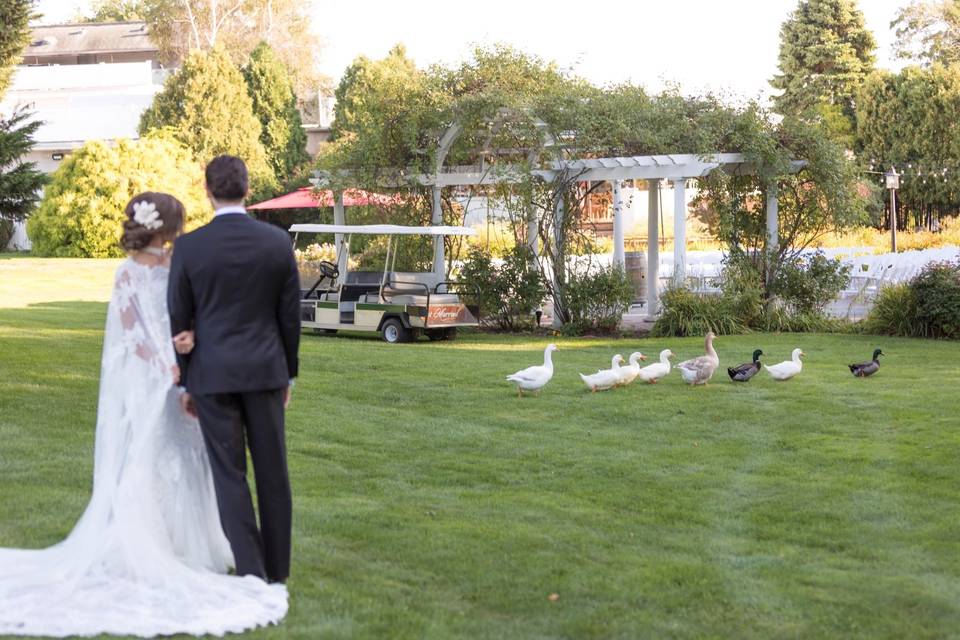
<point x="227" y="178"/>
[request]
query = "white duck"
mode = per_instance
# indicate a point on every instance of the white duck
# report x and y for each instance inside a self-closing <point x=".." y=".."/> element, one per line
<point x="536" y="377"/>
<point x="700" y="370"/>
<point x="788" y="368"/>
<point x="604" y="378"/>
<point x="653" y="372"/>
<point x="629" y="372"/>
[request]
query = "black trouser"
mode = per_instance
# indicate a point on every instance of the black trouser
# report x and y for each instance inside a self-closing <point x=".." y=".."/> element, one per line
<point x="227" y="420"/>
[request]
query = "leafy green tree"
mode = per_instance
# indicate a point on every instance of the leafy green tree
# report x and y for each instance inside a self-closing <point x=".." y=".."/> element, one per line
<point x="81" y="214"/>
<point x="15" y="18"/>
<point x="238" y="26"/>
<point x="275" y="105"/>
<point x="910" y="121"/>
<point x="517" y="110"/>
<point x="386" y="115"/>
<point x="117" y="11"/>
<point x="928" y="31"/>
<point x="207" y="107"/>
<point x="826" y="51"/>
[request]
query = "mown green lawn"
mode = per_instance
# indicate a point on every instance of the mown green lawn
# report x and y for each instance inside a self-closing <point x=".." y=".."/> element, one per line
<point x="430" y="502"/>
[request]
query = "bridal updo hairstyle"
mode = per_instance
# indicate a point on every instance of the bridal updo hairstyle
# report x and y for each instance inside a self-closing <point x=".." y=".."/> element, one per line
<point x="167" y="223"/>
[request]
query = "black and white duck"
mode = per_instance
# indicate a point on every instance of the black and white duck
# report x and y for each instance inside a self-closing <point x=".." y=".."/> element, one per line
<point x="747" y="370"/>
<point x="866" y="369"/>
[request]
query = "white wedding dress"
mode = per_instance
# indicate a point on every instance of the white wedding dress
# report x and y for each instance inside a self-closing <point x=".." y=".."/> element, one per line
<point x="148" y="557"/>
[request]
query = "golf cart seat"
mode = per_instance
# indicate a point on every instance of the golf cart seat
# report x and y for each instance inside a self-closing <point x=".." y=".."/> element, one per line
<point x="417" y="289"/>
<point x="358" y="284"/>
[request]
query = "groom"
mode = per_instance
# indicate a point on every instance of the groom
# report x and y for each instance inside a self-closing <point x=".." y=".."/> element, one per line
<point x="234" y="282"/>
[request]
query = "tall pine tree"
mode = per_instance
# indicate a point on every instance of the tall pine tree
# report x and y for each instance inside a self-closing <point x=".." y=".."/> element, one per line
<point x="20" y="182"/>
<point x="207" y="107"/>
<point x="826" y="51"/>
<point x="275" y="105"/>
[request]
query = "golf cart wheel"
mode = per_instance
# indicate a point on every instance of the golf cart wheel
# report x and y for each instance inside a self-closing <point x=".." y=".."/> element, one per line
<point x="394" y="331"/>
<point x="442" y="334"/>
<point x="325" y="332"/>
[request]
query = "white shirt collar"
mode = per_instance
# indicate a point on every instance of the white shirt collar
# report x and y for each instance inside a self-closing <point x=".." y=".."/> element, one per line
<point x="235" y="208"/>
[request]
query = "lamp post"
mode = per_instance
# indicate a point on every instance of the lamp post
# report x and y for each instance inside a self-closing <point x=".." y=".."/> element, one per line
<point x="893" y="183"/>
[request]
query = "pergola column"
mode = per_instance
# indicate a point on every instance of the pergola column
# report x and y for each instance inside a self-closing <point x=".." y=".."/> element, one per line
<point x="618" y="255"/>
<point x="653" y="248"/>
<point x="773" y="213"/>
<point x="558" y="214"/>
<point x="340" y="217"/>
<point x="773" y="225"/>
<point x="439" y="259"/>
<point x="679" y="231"/>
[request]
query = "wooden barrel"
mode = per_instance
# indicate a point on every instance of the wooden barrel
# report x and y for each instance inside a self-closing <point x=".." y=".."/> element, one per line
<point x="635" y="263"/>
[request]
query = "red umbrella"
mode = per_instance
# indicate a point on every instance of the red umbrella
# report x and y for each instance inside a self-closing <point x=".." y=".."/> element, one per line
<point x="307" y="198"/>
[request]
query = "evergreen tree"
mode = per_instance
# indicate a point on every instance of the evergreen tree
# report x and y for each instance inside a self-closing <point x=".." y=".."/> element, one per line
<point x="20" y="182"/>
<point x="826" y="51"/>
<point x="275" y="105"/>
<point x="207" y="107"/>
<point x="909" y="120"/>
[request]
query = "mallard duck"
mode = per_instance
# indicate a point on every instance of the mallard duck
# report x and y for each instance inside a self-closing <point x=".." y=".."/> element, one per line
<point x="867" y="369"/>
<point x="747" y="370"/>
<point x="536" y="377"/>
<point x="700" y="370"/>
<point x="604" y="378"/>
<point x="653" y="372"/>
<point x="788" y="368"/>
<point x="629" y="372"/>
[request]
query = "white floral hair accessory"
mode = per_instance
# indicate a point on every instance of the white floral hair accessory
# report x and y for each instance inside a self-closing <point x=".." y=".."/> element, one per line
<point x="145" y="214"/>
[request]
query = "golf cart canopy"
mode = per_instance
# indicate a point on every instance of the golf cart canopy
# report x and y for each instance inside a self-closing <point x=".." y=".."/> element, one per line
<point x="382" y="229"/>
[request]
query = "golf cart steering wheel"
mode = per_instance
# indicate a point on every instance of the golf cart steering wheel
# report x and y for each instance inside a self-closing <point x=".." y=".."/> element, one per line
<point x="329" y="270"/>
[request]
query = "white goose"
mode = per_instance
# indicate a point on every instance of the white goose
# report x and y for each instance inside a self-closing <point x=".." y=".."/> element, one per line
<point x="788" y="368"/>
<point x="629" y="372"/>
<point x="536" y="377"/>
<point x="604" y="378"/>
<point x="653" y="372"/>
<point x="700" y="370"/>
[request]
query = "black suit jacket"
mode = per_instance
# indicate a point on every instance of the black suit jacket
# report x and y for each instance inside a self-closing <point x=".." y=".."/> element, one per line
<point x="235" y="283"/>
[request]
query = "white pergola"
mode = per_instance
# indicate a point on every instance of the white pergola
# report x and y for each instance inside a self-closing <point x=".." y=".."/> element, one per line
<point x="678" y="168"/>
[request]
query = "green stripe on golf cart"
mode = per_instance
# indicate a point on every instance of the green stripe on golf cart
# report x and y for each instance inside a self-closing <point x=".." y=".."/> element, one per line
<point x="327" y="305"/>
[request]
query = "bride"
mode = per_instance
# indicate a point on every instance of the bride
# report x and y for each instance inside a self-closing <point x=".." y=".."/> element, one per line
<point x="148" y="557"/>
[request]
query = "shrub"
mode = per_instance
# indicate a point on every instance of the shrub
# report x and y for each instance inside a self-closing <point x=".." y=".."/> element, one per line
<point x="894" y="312"/>
<point x="82" y="208"/>
<point x="685" y="313"/>
<point x="937" y="290"/>
<point x="509" y="292"/>
<point x="597" y="299"/>
<point x="928" y="306"/>
<point x="811" y="282"/>
<point x="309" y="257"/>
<point x="803" y="288"/>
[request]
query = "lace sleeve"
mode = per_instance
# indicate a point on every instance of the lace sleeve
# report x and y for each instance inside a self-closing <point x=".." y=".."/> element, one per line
<point x="136" y="334"/>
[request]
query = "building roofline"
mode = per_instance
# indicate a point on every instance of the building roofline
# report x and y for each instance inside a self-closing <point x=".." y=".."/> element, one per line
<point x="85" y="24"/>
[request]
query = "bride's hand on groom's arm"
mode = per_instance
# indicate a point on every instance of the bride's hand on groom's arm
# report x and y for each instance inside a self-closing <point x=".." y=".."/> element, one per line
<point x="183" y="342"/>
<point x="186" y="403"/>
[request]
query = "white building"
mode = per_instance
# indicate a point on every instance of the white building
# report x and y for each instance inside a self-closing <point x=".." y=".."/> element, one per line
<point x="83" y="82"/>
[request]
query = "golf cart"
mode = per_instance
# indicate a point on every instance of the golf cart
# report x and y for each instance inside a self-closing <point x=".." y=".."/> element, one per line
<point x="399" y="305"/>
